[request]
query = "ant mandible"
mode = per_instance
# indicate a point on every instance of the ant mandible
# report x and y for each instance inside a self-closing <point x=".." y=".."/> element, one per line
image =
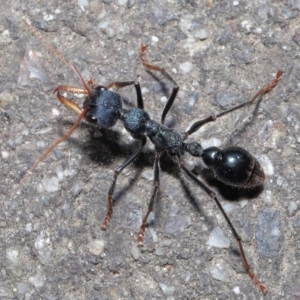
<point x="233" y="165"/>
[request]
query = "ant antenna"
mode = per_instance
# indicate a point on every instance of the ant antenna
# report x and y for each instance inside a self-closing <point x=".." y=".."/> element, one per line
<point x="59" y="55"/>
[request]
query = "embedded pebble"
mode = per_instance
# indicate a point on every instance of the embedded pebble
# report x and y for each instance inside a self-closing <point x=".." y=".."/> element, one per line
<point x="292" y="208"/>
<point x="186" y="67"/>
<point x="19" y="140"/>
<point x="122" y="2"/>
<point x="176" y="224"/>
<point x="55" y="112"/>
<point x="218" y="239"/>
<point x="36" y="280"/>
<point x="220" y="271"/>
<point x="44" y="130"/>
<point x="243" y="203"/>
<point x="22" y="288"/>
<point x="153" y="234"/>
<point x="51" y="184"/>
<point x="12" y="255"/>
<point x="236" y="290"/>
<point x="41" y="241"/>
<point x="5" y="154"/>
<point x="76" y="188"/>
<point x="44" y="256"/>
<point x="96" y="246"/>
<point x="59" y="173"/>
<point x="104" y="24"/>
<point x="110" y="32"/>
<point x="268" y="233"/>
<point x="229" y="207"/>
<point x="266" y="164"/>
<point x="40" y="144"/>
<point x="70" y="173"/>
<point x="225" y="100"/>
<point x="82" y="2"/>
<point x="166" y="289"/>
<point x="189" y="164"/>
<point x="28" y="227"/>
<point x="135" y="252"/>
<point x="201" y="34"/>
<point x="212" y="142"/>
<point x="148" y="174"/>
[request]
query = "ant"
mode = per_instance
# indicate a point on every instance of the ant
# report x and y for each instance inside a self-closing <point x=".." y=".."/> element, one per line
<point x="233" y="166"/>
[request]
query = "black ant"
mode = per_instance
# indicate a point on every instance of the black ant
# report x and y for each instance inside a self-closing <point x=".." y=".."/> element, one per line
<point x="233" y="165"/>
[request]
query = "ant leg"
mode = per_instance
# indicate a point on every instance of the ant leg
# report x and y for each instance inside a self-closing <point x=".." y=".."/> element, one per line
<point x="113" y="185"/>
<point x="212" y="118"/>
<point x="212" y="195"/>
<point x="166" y="75"/>
<point x="152" y="200"/>
<point x="66" y="136"/>
<point x="121" y="84"/>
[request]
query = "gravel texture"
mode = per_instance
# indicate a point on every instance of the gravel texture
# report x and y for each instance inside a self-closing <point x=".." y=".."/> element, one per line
<point x="220" y="53"/>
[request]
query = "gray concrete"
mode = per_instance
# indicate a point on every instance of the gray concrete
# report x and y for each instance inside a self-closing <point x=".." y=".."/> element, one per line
<point x="220" y="53"/>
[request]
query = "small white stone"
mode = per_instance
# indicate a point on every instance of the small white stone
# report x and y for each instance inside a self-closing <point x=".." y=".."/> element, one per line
<point x="212" y="142"/>
<point x="50" y="184"/>
<point x="37" y="280"/>
<point x="218" y="239"/>
<point x="243" y="203"/>
<point x="135" y="252"/>
<point x="148" y="174"/>
<point x="235" y="3"/>
<point x="266" y="164"/>
<point x="154" y="39"/>
<point x="163" y="99"/>
<point x="28" y="227"/>
<point x="12" y="255"/>
<point x="220" y="271"/>
<point x="59" y="173"/>
<point x="55" y="112"/>
<point x="153" y="234"/>
<point x="44" y="130"/>
<point x="229" y="207"/>
<point x="145" y="90"/>
<point x="82" y="2"/>
<point x="70" y="173"/>
<point x="40" y="144"/>
<point x="41" y="241"/>
<point x="48" y="17"/>
<point x="236" y="290"/>
<point x="4" y="154"/>
<point x="202" y="34"/>
<point x="189" y="164"/>
<point x="167" y="290"/>
<point x="186" y="67"/>
<point x="293" y="206"/>
<point x="96" y="247"/>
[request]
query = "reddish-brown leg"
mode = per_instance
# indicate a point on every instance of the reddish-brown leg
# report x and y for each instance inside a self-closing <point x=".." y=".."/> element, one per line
<point x="166" y="75"/>
<point x="213" y="196"/>
<point x="152" y="201"/>
<point x="127" y="162"/>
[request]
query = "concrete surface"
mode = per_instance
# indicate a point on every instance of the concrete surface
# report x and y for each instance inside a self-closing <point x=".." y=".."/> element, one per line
<point x="220" y="53"/>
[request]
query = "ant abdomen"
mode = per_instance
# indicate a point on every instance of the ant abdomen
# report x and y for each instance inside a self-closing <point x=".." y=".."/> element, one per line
<point x="234" y="166"/>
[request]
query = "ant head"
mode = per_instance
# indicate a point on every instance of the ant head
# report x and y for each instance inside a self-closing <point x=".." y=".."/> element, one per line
<point x="105" y="107"/>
